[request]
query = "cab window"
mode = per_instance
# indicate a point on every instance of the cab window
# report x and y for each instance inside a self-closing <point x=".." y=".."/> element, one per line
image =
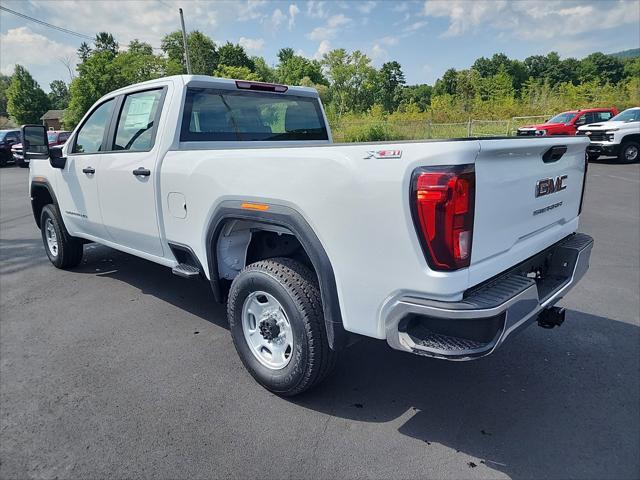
<point x="137" y="121"/>
<point x="603" y="116"/>
<point x="91" y="134"/>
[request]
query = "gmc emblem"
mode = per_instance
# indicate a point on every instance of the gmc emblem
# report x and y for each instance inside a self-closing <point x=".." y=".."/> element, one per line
<point x="547" y="186"/>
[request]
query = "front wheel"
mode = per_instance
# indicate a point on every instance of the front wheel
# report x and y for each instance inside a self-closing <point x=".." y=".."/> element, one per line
<point x="277" y="325"/>
<point x="63" y="250"/>
<point x="629" y="152"/>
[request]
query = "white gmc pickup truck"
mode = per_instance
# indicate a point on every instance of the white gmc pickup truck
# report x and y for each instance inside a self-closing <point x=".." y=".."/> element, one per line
<point x="442" y="248"/>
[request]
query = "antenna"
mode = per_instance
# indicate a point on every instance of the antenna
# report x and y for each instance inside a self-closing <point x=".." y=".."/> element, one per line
<point x="186" y="45"/>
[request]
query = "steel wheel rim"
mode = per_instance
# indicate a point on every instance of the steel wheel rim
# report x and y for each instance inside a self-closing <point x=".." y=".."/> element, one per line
<point x="631" y="153"/>
<point x="52" y="238"/>
<point x="267" y="330"/>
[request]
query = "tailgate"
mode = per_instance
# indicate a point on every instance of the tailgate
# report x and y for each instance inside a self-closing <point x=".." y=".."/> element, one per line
<point x="524" y="204"/>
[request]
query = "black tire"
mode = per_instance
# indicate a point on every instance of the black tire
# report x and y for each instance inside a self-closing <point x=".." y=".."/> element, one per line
<point x="68" y="253"/>
<point x="22" y="164"/>
<point x="3" y="161"/>
<point x="622" y="156"/>
<point x="295" y="287"/>
<point x="592" y="157"/>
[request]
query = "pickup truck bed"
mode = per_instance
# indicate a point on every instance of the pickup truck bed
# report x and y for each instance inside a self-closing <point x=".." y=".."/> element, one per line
<point x="443" y="248"/>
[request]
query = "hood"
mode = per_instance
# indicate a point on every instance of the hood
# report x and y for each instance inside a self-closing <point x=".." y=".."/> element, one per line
<point x="542" y="126"/>
<point x="603" y="126"/>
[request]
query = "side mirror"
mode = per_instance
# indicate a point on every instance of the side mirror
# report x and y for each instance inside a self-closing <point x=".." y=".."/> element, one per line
<point x="35" y="143"/>
<point x="55" y="157"/>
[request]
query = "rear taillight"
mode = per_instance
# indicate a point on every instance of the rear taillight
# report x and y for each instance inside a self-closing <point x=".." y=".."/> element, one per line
<point x="443" y="201"/>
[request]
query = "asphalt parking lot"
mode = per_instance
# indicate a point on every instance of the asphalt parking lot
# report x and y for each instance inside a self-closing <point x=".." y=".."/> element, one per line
<point x="120" y="369"/>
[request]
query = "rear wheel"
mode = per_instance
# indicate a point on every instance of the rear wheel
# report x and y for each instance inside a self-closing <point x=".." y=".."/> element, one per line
<point x="63" y="250"/>
<point x="629" y="152"/>
<point x="277" y="325"/>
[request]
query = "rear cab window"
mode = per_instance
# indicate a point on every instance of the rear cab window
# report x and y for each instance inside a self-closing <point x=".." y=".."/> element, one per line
<point x="212" y="114"/>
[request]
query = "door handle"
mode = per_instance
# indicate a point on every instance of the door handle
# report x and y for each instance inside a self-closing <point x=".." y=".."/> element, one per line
<point x="141" y="172"/>
<point x="89" y="170"/>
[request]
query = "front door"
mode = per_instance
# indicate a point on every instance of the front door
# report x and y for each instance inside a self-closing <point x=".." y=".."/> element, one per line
<point x="77" y="189"/>
<point x="127" y="181"/>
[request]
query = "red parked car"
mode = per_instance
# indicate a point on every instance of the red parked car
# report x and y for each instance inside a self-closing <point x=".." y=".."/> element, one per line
<point x="567" y="123"/>
<point x="55" y="137"/>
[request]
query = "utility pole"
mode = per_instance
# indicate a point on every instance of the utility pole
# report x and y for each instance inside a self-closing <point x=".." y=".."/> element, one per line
<point x="186" y="45"/>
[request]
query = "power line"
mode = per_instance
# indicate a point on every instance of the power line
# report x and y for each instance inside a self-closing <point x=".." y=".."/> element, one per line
<point x="55" y="27"/>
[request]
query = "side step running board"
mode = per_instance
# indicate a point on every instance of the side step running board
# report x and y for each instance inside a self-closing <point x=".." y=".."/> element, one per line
<point x="186" y="271"/>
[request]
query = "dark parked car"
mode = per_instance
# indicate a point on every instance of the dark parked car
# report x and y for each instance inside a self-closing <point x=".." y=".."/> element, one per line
<point x="8" y="138"/>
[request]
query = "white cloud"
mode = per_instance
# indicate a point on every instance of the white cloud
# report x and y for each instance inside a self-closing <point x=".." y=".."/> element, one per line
<point x="22" y="45"/>
<point x="366" y="7"/>
<point x="330" y="29"/>
<point x="324" y="47"/>
<point x="379" y="53"/>
<point x="293" y="11"/>
<point x="415" y="26"/>
<point x="390" y="41"/>
<point x="316" y="9"/>
<point x="533" y="19"/>
<point x="401" y="7"/>
<point x="252" y="45"/>
<point x="250" y="10"/>
<point x="277" y="17"/>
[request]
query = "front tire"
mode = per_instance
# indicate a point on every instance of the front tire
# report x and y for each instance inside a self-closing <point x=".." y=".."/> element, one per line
<point x="629" y="152"/>
<point x="63" y="250"/>
<point x="277" y="325"/>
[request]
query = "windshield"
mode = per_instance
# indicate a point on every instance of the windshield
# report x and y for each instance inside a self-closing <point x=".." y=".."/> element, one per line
<point x="228" y="115"/>
<point x="631" y="115"/>
<point x="562" y="118"/>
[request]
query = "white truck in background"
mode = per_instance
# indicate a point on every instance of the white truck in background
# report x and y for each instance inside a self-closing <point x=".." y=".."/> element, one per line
<point x="441" y="248"/>
<point x="617" y="137"/>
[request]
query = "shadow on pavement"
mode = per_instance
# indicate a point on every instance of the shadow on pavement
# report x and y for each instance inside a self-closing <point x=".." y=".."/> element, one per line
<point x="20" y="254"/>
<point x="549" y="404"/>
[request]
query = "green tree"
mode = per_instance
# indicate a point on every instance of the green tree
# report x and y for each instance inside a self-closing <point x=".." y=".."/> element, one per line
<point x="138" y="47"/>
<point x="26" y="101"/>
<point x="601" y="67"/>
<point x="391" y="80"/>
<point x="238" y="73"/>
<point x="293" y="68"/>
<point x="632" y="68"/>
<point x="84" y="51"/>
<point x="139" y="64"/>
<point x="264" y="72"/>
<point x="352" y="80"/>
<point x="234" y="55"/>
<point x="5" y="81"/>
<point x="419" y="95"/>
<point x="202" y="53"/>
<point x="59" y="95"/>
<point x="285" y="54"/>
<point x="447" y="84"/>
<point x="105" y="42"/>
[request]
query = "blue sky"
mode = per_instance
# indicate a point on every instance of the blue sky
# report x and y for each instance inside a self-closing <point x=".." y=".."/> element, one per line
<point x="426" y="37"/>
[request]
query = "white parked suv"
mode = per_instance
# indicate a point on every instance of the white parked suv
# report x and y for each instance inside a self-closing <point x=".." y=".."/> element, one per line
<point x="618" y="137"/>
<point x="442" y="248"/>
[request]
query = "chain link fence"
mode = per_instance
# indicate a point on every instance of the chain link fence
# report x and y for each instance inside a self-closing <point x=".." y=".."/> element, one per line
<point x="381" y="130"/>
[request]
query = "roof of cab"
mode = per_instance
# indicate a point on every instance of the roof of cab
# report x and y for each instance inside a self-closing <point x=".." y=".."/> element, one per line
<point x="206" y="80"/>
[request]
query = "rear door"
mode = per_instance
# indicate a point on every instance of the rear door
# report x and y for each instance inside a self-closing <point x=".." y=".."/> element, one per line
<point x="526" y="199"/>
<point x="127" y="176"/>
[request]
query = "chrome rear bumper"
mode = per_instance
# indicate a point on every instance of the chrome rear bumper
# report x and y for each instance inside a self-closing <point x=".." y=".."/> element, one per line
<point x="481" y="322"/>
